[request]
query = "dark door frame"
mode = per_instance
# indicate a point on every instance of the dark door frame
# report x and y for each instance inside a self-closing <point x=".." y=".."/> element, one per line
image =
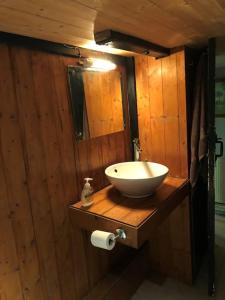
<point x="211" y="162"/>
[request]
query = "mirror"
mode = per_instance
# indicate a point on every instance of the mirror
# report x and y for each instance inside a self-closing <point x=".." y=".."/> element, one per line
<point x="96" y="101"/>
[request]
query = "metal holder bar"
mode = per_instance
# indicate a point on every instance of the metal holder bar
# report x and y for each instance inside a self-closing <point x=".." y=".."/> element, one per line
<point x="121" y="234"/>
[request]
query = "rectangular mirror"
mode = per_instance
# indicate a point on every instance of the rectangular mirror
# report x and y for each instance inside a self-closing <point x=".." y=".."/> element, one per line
<point x="96" y="101"/>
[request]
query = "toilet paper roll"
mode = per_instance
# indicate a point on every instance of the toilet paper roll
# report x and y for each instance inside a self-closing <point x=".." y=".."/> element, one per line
<point x="103" y="239"/>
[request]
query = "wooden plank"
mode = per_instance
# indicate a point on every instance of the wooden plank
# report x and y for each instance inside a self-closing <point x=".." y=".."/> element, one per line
<point x="169" y="89"/>
<point x="98" y="262"/>
<point x="16" y="176"/>
<point x="10" y="287"/>
<point x="66" y="165"/>
<point x="172" y="146"/>
<point x="135" y="24"/>
<point x="51" y="139"/>
<point x="171" y="111"/>
<point x="73" y="22"/>
<point x="108" y="156"/>
<point x="30" y="117"/>
<point x="175" y="111"/>
<point x="9" y="263"/>
<point x="181" y="92"/>
<point x="76" y="260"/>
<point x="80" y="260"/>
<point x="157" y="143"/>
<point x="92" y="156"/>
<point x="167" y="108"/>
<point x="155" y="88"/>
<point x="172" y="239"/>
<point x="123" y="278"/>
<point x="130" y="279"/>
<point x="150" y="109"/>
<point x="68" y="12"/>
<point x="95" y="162"/>
<point x="22" y="19"/>
<point x="143" y="105"/>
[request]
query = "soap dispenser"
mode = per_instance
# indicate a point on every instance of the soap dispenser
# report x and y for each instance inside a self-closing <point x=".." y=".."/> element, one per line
<point x="86" y="193"/>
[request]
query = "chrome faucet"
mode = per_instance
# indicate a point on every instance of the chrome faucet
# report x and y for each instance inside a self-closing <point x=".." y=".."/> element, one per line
<point x="137" y="149"/>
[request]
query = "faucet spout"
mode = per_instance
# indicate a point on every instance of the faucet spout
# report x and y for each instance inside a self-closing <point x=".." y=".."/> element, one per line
<point x="137" y="149"/>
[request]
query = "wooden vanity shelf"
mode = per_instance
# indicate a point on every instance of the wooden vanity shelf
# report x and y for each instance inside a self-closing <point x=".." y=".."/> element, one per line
<point x="138" y="217"/>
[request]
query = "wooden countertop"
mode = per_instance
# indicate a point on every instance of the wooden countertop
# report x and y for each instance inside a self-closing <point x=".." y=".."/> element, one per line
<point x="139" y="217"/>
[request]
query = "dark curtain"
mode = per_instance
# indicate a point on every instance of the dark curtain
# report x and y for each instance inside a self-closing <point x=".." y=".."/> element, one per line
<point x="198" y="161"/>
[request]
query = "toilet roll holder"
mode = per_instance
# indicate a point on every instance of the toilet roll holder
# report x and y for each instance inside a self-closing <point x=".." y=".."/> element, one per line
<point x="120" y="234"/>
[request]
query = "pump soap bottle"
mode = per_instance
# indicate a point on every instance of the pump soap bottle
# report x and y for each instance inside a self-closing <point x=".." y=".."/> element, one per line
<point x="86" y="193"/>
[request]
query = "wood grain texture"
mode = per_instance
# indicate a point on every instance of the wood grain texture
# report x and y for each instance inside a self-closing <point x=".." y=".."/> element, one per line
<point x="10" y="285"/>
<point x="162" y="84"/>
<point x="139" y="217"/>
<point x="103" y="99"/>
<point x="170" y="248"/>
<point x="42" y="168"/>
<point x="14" y="166"/>
<point x="172" y="23"/>
<point x="42" y="171"/>
<point x="163" y="122"/>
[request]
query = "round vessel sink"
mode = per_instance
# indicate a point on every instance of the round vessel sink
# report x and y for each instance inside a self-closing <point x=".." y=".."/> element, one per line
<point x="136" y="179"/>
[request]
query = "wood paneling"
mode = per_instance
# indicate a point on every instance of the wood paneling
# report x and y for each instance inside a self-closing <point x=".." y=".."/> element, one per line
<point x="14" y="168"/>
<point x="42" y="170"/>
<point x="103" y="99"/>
<point x="168" y="23"/>
<point x="123" y="279"/>
<point x="161" y="101"/>
<point x="170" y="249"/>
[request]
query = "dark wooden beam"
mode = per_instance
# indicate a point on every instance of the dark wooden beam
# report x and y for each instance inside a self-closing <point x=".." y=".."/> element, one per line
<point x="130" y="43"/>
<point x="52" y="47"/>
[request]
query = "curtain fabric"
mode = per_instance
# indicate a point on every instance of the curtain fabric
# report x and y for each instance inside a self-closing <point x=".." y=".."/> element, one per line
<point x="198" y="130"/>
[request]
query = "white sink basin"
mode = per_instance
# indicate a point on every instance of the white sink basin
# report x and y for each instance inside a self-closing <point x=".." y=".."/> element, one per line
<point x="136" y="179"/>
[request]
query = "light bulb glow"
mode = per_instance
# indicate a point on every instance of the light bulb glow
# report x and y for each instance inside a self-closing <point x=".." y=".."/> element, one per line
<point x="101" y="65"/>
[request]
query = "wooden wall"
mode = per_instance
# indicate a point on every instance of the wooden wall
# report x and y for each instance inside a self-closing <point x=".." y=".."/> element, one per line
<point x="42" y="170"/>
<point x="162" y="120"/>
<point x="161" y="101"/>
<point x="170" y="248"/>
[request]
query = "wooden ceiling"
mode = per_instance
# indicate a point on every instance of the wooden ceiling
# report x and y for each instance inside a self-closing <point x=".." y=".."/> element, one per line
<point x="170" y="23"/>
